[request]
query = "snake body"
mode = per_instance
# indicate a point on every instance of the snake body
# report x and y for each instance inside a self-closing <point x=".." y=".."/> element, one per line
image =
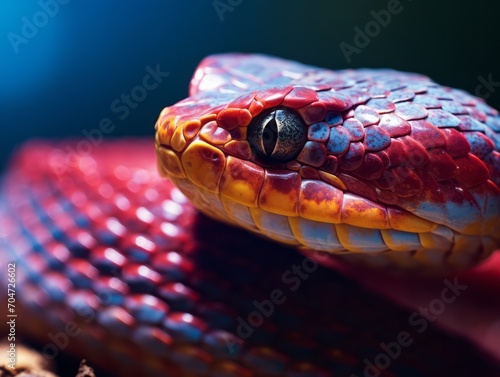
<point x="115" y="264"/>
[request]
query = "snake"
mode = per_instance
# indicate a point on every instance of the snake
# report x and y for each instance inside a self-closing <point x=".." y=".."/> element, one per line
<point x="117" y="257"/>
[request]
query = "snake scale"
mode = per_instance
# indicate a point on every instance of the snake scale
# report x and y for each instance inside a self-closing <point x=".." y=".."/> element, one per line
<point x="115" y="263"/>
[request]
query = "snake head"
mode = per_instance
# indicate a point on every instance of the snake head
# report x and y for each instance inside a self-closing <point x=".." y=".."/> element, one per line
<point x="372" y="162"/>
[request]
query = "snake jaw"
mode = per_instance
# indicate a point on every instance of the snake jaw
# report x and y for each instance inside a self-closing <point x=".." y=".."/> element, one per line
<point x="389" y="162"/>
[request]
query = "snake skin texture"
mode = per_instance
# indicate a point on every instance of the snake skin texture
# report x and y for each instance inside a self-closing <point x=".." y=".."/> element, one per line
<point x="391" y="164"/>
<point x="113" y="264"/>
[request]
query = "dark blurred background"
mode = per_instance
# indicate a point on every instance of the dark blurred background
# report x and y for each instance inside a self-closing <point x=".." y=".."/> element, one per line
<point x="65" y="63"/>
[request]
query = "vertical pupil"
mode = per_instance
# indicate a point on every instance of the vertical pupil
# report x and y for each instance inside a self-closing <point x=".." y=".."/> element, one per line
<point x="277" y="135"/>
<point x="270" y="136"/>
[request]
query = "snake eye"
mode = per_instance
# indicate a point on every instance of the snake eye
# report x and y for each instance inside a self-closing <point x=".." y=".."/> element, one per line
<point x="277" y="135"/>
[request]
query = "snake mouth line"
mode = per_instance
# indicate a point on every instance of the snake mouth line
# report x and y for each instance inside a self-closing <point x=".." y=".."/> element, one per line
<point x="336" y="221"/>
<point x="307" y="212"/>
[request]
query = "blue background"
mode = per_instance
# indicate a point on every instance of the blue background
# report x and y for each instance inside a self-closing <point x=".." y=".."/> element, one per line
<point x="64" y="79"/>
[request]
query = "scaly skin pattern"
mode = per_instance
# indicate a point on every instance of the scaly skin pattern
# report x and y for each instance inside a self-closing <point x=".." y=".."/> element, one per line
<point x="393" y="165"/>
<point x="115" y="265"/>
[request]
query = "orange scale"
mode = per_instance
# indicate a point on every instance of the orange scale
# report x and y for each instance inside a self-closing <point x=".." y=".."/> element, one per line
<point x="204" y="165"/>
<point x="320" y="202"/>
<point x="229" y="118"/>
<point x="242" y="181"/>
<point x="408" y="222"/>
<point x="165" y="131"/>
<point x="332" y="180"/>
<point x="169" y="163"/>
<point x="178" y="142"/>
<point x="239" y="148"/>
<point x="214" y="134"/>
<point x="362" y="212"/>
<point x="280" y="192"/>
<point x="164" y="115"/>
<point x="191" y="128"/>
<point x="207" y="118"/>
<point x="255" y="108"/>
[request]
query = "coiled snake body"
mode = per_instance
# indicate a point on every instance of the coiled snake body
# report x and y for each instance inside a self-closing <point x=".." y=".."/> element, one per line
<point x="382" y="166"/>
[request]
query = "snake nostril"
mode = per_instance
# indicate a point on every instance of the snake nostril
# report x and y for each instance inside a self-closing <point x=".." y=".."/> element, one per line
<point x="215" y="157"/>
<point x="209" y="155"/>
